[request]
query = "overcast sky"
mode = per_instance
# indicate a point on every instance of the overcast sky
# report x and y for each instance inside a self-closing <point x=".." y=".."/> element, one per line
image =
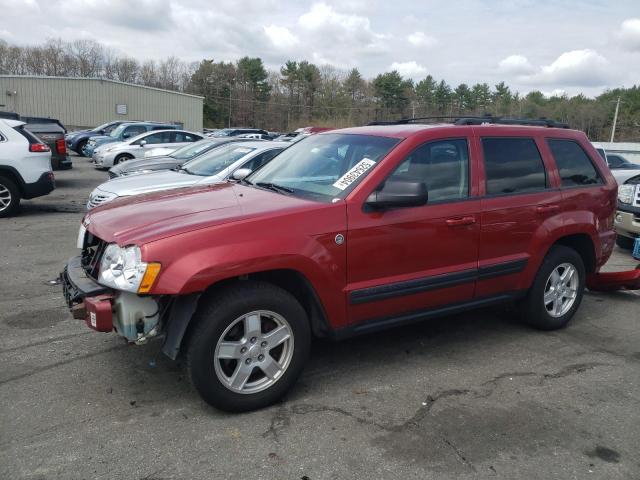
<point x="562" y="45"/>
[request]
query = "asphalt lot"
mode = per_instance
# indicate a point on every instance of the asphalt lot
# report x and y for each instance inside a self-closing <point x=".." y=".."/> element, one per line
<point x="472" y="396"/>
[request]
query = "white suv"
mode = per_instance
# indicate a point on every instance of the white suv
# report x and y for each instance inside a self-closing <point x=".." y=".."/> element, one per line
<point x="113" y="153"/>
<point x="25" y="166"/>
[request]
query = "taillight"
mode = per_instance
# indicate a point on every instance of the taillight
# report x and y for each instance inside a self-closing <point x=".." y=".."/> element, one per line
<point x="38" y="147"/>
<point x="61" y="146"/>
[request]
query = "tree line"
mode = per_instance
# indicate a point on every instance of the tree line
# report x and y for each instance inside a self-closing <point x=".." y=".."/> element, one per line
<point x="300" y="93"/>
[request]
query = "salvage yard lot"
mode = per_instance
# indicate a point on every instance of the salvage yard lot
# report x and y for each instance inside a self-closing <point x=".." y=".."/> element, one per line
<point x="472" y="396"/>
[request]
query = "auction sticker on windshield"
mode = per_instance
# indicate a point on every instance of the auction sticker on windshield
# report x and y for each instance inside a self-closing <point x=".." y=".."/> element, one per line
<point x="356" y="172"/>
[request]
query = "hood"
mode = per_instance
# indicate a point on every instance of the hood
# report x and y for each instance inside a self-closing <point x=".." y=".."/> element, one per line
<point x="147" y="218"/>
<point x="150" y="182"/>
<point x="157" y="163"/>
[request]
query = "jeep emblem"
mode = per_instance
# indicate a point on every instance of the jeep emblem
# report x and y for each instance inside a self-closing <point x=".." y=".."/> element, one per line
<point x="339" y="239"/>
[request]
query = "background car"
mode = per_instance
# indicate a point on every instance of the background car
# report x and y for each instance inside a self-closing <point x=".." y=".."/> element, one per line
<point x="173" y="160"/>
<point x="616" y="161"/>
<point x="25" y="166"/>
<point x="78" y="139"/>
<point x="109" y="155"/>
<point x="627" y="219"/>
<point x="213" y="167"/>
<point x="51" y="132"/>
<point x="123" y="132"/>
<point x="234" y="132"/>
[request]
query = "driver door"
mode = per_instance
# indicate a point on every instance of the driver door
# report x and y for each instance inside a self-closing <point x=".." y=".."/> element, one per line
<point x="412" y="259"/>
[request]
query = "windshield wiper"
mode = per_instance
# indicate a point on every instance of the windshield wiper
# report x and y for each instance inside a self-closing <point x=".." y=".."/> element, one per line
<point x="185" y="170"/>
<point x="275" y="187"/>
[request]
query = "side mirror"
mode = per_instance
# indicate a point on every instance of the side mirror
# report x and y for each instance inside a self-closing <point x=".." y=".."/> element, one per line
<point x="394" y="194"/>
<point x="142" y="143"/>
<point x="241" y="174"/>
<point x="102" y="132"/>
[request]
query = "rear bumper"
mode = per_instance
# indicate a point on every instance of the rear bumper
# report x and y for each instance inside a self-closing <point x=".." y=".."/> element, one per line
<point x="44" y="185"/>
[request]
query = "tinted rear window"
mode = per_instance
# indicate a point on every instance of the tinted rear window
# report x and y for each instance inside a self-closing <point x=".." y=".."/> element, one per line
<point x="574" y="165"/>
<point x="513" y="165"/>
<point x="31" y="138"/>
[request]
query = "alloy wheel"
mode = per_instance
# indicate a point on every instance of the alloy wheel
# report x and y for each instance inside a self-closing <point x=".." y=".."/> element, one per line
<point x="5" y="197"/>
<point x="561" y="290"/>
<point x="253" y="352"/>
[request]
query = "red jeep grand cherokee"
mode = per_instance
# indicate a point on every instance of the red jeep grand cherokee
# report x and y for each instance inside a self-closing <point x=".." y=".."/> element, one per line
<point x="344" y="233"/>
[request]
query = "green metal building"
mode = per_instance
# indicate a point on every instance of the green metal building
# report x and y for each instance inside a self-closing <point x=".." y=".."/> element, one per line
<point x="87" y="102"/>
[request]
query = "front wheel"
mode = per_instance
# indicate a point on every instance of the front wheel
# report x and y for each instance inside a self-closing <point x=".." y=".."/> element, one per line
<point x="248" y="346"/>
<point x="122" y="158"/>
<point x="557" y="290"/>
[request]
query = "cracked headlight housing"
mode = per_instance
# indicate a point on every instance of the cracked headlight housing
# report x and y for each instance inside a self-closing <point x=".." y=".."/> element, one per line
<point x="625" y="193"/>
<point x="123" y="269"/>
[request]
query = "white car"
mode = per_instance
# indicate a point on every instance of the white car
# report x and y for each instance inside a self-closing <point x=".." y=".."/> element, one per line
<point x="111" y="154"/>
<point x="160" y="151"/>
<point x="25" y="166"/>
<point x="213" y="167"/>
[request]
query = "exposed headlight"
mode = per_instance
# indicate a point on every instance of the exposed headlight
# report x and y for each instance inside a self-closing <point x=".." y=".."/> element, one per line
<point x="625" y="193"/>
<point x="123" y="269"/>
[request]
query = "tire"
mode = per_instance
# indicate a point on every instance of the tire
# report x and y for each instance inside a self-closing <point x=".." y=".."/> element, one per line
<point x="9" y="197"/>
<point x="122" y="158"/>
<point x="625" y="242"/>
<point x="80" y="146"/>
<point x="547" y="316"/>
<point x="221" y="349"/>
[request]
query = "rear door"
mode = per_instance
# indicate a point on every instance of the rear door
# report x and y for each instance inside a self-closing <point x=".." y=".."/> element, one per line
<point x="519" y="196"/>
<point x="412" y="259"/>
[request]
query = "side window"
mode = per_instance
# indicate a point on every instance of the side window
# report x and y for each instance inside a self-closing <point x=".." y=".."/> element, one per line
<point x="182" y="137"/>
<point x="614" y="161"/>
<point x="442" y="165"/>
<point x="513" y="165"/>
<point x="133" y="131"/>
<point x="260" y="160"/>
<point x="160" y="137"/>
<point x="574" y="165"/>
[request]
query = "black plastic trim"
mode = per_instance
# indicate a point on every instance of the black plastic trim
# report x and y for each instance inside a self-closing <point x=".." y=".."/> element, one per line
<point x="411" y="287"/>
<point x="628" y="208"/>
<point x="385" y="323"/>
<point x="76" y="285"/>
<point x="507" y="268"/>
<point x="44" y="185"/>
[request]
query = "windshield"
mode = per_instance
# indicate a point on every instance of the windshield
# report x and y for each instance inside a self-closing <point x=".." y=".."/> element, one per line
<point x="107" y="127"/>
<point x="192" y="150"/>
<point x="216" y="161"/>
<point x="118" y="130"/>
<point x="325" y="166"/>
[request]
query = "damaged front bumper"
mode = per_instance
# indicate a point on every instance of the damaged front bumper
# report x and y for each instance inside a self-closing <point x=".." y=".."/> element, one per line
<point x="104" y="309"/>
<point x="612" y="281"/>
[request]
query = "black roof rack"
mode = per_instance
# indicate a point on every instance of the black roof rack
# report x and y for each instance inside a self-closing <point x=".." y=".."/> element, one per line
<point x="457" y="120"/>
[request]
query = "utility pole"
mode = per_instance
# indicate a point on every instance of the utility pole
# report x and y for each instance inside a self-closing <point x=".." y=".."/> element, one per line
<point x="615" y="120"/>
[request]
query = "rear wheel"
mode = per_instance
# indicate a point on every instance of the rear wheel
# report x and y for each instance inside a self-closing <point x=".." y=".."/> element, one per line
<point x="122" y="158"/>
<point x="625" y="242"/>
<point x="9" y="197"/>
<point x="248" y="345"/>
<point x="557" y="290"/>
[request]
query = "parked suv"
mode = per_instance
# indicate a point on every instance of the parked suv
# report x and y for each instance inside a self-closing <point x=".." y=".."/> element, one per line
<point x="51" y="132"/>
<point x="345" y="233"/>
<point x="25" y="166"/>
<point x="123" y="132"/>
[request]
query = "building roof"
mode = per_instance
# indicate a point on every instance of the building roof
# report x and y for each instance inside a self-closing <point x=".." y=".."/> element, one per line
<point x="100" y="79"/>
